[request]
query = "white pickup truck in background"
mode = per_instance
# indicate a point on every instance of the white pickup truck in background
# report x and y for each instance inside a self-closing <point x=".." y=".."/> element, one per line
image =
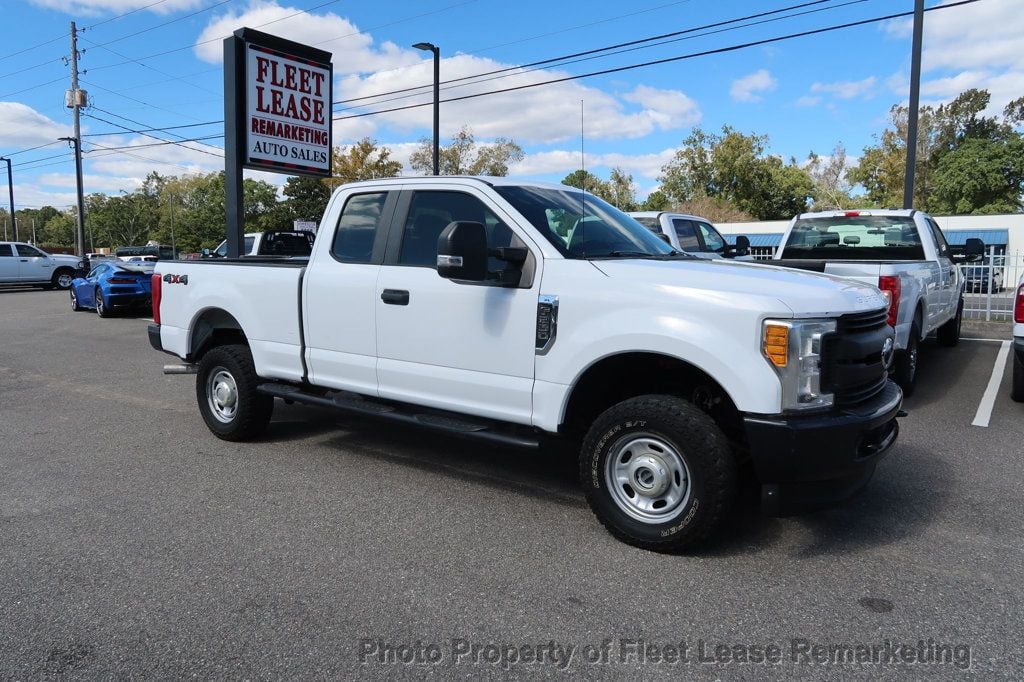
<point x="692" y="234"/>
<point x="22" y="263"/>
<point x="903" y="253"/>
<point x="517" y="311"/>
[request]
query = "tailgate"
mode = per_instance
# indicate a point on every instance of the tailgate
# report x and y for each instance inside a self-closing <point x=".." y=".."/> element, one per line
<point x="868" y="273"/>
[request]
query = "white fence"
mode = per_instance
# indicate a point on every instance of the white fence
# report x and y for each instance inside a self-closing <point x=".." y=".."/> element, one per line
<point x="992" y="285"/>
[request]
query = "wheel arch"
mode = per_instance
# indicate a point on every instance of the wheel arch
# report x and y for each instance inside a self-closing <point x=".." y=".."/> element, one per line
<point x="619" y="376"/>
<point x="213" y="327"/>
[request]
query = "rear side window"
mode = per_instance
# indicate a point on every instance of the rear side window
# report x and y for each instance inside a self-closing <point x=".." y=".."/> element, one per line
<point x="686" y="234"/>
<point x="855" y="238"/>
<point x="5" y="250"/>
<point x="940" y="239"/>
<point x="357" y="228"/>
<point x="652" y="224"/>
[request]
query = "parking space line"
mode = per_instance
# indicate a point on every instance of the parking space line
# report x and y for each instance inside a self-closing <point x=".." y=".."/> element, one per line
<point x="988" y="399"/>
<point x="971" y="338"/>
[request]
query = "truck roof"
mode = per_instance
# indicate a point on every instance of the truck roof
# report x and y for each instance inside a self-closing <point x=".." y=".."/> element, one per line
<point x="489" y="180"/>
<point x="658" y="214"/>
<point x="847" y="213"/>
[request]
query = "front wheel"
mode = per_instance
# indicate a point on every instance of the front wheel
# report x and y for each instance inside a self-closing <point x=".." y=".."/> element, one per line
<point x="226" y="391"/>
<point x="905" y="373"/>
<point x="658" y="472"/>
<point x="62" y="279"/>
<point x="1017" y="388"/>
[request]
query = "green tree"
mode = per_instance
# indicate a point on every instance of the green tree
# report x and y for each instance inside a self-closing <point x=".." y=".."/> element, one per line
<point x="363" y="160"/>
<point x="306" y="197"/>
<point x="736" y="168"/>
<point x="585" y="180"/>
<point x="981" y="176"/>
<point x="655" y="201"/>
<point x="58" y="230"/>
<point x="465" y="156"/>
<point x="622" y="190"/>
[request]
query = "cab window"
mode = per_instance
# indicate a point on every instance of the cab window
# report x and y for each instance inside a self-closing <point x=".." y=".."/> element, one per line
<point x="686" y="234"/>
<point x="26" y="251"/>
<point x="712" y="240"/>
<point x="357" y="228"/>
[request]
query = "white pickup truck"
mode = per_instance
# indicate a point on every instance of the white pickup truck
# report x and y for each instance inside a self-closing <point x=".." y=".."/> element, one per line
<point x="903" y="253"/>
<point x="516" y="311"/>
<point x="690" y="233"/>
<point x="22" y="263"/>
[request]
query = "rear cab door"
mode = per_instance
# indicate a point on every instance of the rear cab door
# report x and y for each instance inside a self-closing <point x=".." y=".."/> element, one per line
<point x="951" y="279"/>
<point x="462" y="346"/>
<point x="340" y="289"/>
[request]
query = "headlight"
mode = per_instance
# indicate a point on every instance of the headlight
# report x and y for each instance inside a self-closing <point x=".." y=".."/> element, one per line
<point x="793" y="348"/>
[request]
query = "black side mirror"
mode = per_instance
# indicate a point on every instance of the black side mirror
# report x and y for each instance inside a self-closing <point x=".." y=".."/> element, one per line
<point x="741" y="248"/>
<point x="974" y="249"/>
<point x="664" y="237"/>
<point x="462" y="251"/>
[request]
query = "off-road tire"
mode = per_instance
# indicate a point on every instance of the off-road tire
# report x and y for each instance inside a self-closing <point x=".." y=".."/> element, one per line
<point x="253" y="410"/>
<point x="704" y="449"/>
<point x="949" y="333"/>
<point x="907" y="360"/>
<point x="1017" y="386"/>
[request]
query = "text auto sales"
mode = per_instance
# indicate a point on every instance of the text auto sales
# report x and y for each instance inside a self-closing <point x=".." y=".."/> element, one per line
<point x="292" y="92"/>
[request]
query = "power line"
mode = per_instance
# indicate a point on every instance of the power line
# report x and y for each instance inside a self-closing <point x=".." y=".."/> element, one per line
<point x="136" y="100"/>
<point x="41" y="146"/>
<point x="147" y="130"/>
<point x="166" y="142"/>
<point x="121" y="16"/>
<point x="150" y="135"/>
<point x="151" y="68"/>
<point x="143" y="158"/>
<point x="692" y="55"/>
<point x="638" y="44"/>
<point x="165" y="23"/>
<point x="29" y="49"/>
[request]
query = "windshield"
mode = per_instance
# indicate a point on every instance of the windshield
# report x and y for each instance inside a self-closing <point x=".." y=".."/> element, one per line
<point x="580" y="225"/>
<point x="855" y="238"/>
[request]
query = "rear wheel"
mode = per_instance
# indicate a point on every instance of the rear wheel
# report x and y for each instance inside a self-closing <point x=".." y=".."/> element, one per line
<point x="101" y="305"/>
<point x="658" y="472"/>
<point x="1017" y="389"/>
<point x="75" y="305"/>
<point x="906" y="363"/>
<point x="226" y="391"/>
<point x="949" y="333"/>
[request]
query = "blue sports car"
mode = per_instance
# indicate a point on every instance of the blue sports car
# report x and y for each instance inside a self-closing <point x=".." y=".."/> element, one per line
<point x="112" y="284"/>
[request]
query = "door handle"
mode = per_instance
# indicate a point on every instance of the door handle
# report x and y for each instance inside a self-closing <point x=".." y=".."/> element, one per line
<point x="395" y="296"/>
<point x="24" y="260"/>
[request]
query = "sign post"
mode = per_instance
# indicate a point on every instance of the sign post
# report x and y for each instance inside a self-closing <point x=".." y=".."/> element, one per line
<point x="277" y="115"/>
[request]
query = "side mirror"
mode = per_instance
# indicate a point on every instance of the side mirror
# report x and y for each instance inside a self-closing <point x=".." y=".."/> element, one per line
<point x="206" y="252"/>
<point x="974" y="249"/>
<point x="462" y="251"/>
<point x="664" y="237"/>
<point x="741" y="248"/>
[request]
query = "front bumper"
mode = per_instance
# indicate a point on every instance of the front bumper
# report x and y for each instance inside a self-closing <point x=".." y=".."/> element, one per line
<point x="819" y="459"/>
<point x="1018" y="348"/>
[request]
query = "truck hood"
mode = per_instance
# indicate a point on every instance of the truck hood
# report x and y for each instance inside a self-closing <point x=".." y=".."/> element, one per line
<point x="804" y="293"/>
<point x="64" y="259"/>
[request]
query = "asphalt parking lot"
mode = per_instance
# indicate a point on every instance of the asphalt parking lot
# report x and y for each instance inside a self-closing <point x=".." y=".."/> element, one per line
<point x="135" y="544"/>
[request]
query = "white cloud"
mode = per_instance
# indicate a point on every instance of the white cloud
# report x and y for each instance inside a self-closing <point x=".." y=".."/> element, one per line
<point x="667" y="109"/>
<point x="808" y="101"/>
<point x="848" y="89"/>
<point x="560" y="161"/>
<point x="99" y="7"/>
<point x="751" y="87"/>
<point x="110" y="184"/>
<point x="22" y="126"/>
<point x="353" y="50"/>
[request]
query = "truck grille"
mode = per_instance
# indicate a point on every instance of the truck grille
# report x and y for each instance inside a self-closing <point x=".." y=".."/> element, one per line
<point x="853" y="367"/>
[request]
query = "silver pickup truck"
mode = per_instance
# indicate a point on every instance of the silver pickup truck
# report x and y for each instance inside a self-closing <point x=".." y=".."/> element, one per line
<point x="903" y="253"/>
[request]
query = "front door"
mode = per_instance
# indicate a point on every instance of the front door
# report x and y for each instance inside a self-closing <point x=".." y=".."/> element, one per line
<point x="466" y="347"/>
<point x="340" y="295"/>
<point x="34" y="265"/>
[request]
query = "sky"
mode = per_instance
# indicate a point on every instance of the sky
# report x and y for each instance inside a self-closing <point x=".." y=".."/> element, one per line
<point x="157" y="64"/>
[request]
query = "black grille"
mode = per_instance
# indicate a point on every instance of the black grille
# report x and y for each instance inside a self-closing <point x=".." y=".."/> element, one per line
<point x="853" y="367"/>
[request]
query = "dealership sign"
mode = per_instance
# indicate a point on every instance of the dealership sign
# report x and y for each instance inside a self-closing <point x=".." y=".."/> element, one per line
<point x="284" y="93"/>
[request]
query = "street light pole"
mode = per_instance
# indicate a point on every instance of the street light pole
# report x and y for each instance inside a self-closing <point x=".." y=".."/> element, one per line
<point x="436" y="51"/>
<point x="915" y="97"/>
<point x="10" y="189"/>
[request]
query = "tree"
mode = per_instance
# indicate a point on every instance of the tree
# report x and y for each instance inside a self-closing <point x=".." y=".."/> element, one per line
<point x="464" y="156"/>
<point x="736" y="168"/>
<point x="831" y="188"/>
<point x="981" y="176"/>
<point x="58" y="230"/>
<point x="586" y="180"/>
<point x="306" y="197"/>
<point x="364" y="160"/>
<point x="655" y="201"/>
<point x="622" y="190"/>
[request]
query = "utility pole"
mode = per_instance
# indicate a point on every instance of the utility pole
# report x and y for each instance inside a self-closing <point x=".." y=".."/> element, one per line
<point x="915" y="97"/>
<point x="34" y="242"/>
<point x="76" y="99"/>
<point x="10" y="188"/>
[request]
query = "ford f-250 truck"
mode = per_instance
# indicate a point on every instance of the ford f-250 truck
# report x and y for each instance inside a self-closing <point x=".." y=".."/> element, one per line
<point x="514" y="311"/>
<point x="903" y="253"/>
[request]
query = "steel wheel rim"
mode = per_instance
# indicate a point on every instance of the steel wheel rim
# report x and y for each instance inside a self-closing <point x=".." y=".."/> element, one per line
<point x="222" y="395"/>
<point x="648" y="478"/>
<point x="64" y="281"/>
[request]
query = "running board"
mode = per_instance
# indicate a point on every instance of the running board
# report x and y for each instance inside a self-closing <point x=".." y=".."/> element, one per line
<point x="446" y="422"/>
